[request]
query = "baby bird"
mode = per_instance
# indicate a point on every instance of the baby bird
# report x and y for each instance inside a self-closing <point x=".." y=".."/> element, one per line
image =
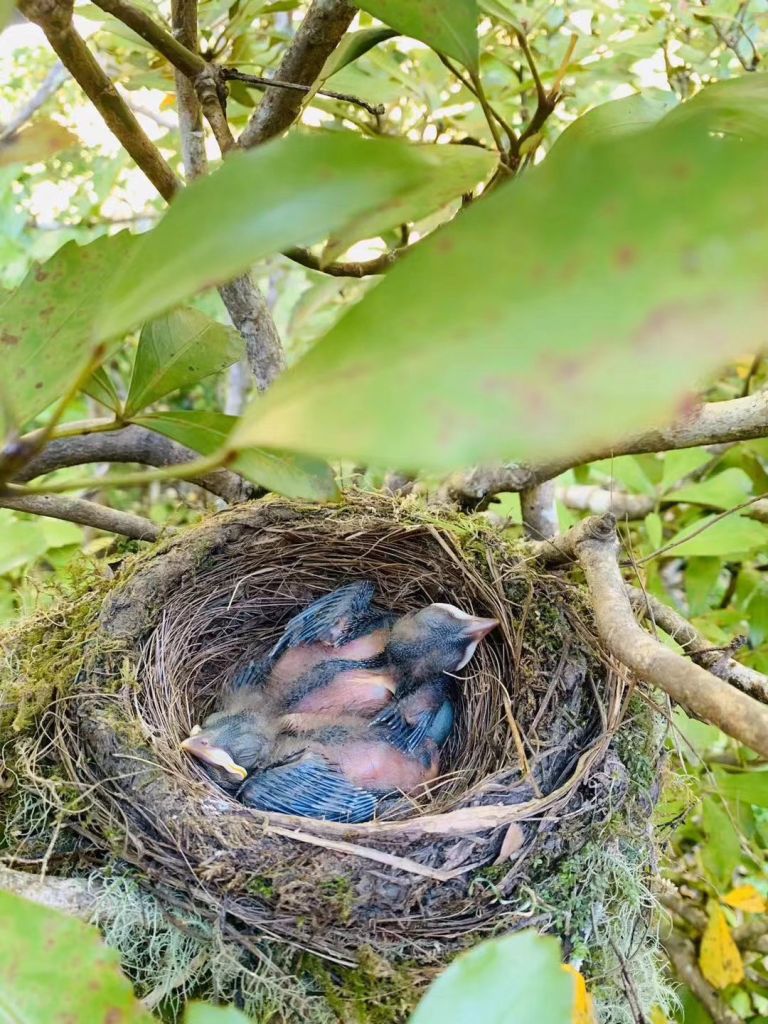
<point x="338" y="771"/>
<point x="425" y="647"/>
<point x="330" y="656"/>
<point x="327" y="661"/>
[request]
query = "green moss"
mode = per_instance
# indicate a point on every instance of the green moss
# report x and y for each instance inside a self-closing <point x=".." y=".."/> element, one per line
<point x="373" y="992"/>
<point x="261" y="886"/>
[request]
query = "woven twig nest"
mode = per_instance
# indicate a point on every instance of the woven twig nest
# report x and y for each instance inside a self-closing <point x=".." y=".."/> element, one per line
<point x="530" y="776"/>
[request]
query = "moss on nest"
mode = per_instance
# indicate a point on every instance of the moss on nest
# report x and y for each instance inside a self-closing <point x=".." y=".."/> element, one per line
<point x="534" y="769"/>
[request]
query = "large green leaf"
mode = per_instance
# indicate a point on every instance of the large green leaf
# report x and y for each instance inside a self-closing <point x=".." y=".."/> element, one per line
<point x="454" y="170"/>
<point x="56" y="970"/>
<point x="723" y="490"/>
<point x="297" y="476"/>
<point x="45" y="324"/>
<point x="293" y="190"/>
<point x="737" y="106"/>
<point x="449" y="26"/>
<point x="640" y="267"/>
<point x="751" y="787"/>
<point x="618" y="117"/>
<point x="721" y="852"/>
<point x="354" y="45"/>
<point x="177" y="350"/>
<point x="514" y="980"/>
<point x="727" y="538"/>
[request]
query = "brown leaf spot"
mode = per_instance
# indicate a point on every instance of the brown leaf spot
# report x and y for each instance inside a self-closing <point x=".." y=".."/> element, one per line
<point x="40" y="274"/>
<point x="682" y="170"/>
<point x="625" y="256"/>
<point x="39" y="385"/>
<point x="444" y="244"/>
<point x="114" y="1015"/>
<point x="6" y="338"/>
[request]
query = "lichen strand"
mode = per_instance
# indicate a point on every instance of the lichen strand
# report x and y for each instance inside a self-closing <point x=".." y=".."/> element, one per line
<point x="136" y="679"/>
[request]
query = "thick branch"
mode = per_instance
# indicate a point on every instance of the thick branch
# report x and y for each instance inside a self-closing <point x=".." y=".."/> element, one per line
<point x="594" y="544"/>
<point x="697" y="646"/>
<point x="740" y="419"/>
<point x="53" y="81"/>
<point x="317" y="37"/>
<point x="539" y="511"/>
<point x="132" y="444"/>
<point x="251" y="316"/>
<point x="55" y="19"/>
<point x="84" y="513"/>
<point x="68" y="895"/>
<point x="175" y="51"/>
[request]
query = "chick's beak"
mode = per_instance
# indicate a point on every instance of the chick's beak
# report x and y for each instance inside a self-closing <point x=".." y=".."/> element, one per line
<point x="477" y="628"/>
<point x="205" y="751"/>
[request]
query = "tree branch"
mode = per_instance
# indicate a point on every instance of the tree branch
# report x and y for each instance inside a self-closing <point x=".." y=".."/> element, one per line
<point x="740" y="419"/>
<point x="184" y="21"/>
<point x="84" y="513"/>
<point x="251" y="316"/>
<point x="258" y="82"/>
<point x="55" y="19"/>
<point x="53" y="81"/>
<point x="362" y="268"/>
<point x="594" y="544"/>
<point x="320" y="32"/>
<point x="539" y="511"/>
<point x="183" y="57"/>
<point x="682" y="956"/>
<point x="132" y="444"/>
<point x="697" y="646"/>
<point x="68" y="895"/>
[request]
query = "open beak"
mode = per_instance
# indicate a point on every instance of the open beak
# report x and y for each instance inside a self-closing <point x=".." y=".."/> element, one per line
<point x="474" y="631"/>
<point x="202" y="749"/>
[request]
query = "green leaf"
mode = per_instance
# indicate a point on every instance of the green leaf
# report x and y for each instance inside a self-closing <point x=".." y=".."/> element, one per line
<point x="45" y="324"/>
<point x="678" y="464"/>
<point x="721" y="852"/>
<point x="751" y="787"/>
<point x="737" y="106"/>
<point x="724" y="490"/>
<point x="205" y="1013"/>
<point x="729" y="537"/>
<point x="36" y="143"/>
<point x="643" y="265"/>
<point x="453" y="171"/>
<point x="296" y="476"/>
<point x="177" y="350"/>
<point x="501" y="981"/>
<point x="295" y="190"/>
<point x="448" y="26"/>
<point x="701" y="579"/>
<point x="55" y="970"/>
<point x="354" y="45"/>
<point x="101" y="387"/>
<point x="618" y="117"/>
<point x="654" y="527"/>
<point x="21" y="542"/>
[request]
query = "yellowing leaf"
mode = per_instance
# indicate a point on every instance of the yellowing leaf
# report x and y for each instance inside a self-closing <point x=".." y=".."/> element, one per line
<point x="719" y="956"/>
<point x="746" y="897"/>
<point x="583" y="1007"/>
<point x="658" y="1016"/>
<point x="168" y="101"/>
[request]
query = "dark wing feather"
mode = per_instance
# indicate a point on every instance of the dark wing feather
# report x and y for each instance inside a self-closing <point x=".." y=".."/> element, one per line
<point x="310" y="789"/>
<point x="329" y="618"/>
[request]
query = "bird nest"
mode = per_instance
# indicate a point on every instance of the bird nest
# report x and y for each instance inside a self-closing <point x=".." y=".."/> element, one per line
<point x="532" y="776"/>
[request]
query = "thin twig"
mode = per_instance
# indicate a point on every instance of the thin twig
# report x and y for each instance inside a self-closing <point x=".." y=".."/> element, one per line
<point x="53" y="81"/>
<point x="84" y="513"/>
<point x="232" y="74"/>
